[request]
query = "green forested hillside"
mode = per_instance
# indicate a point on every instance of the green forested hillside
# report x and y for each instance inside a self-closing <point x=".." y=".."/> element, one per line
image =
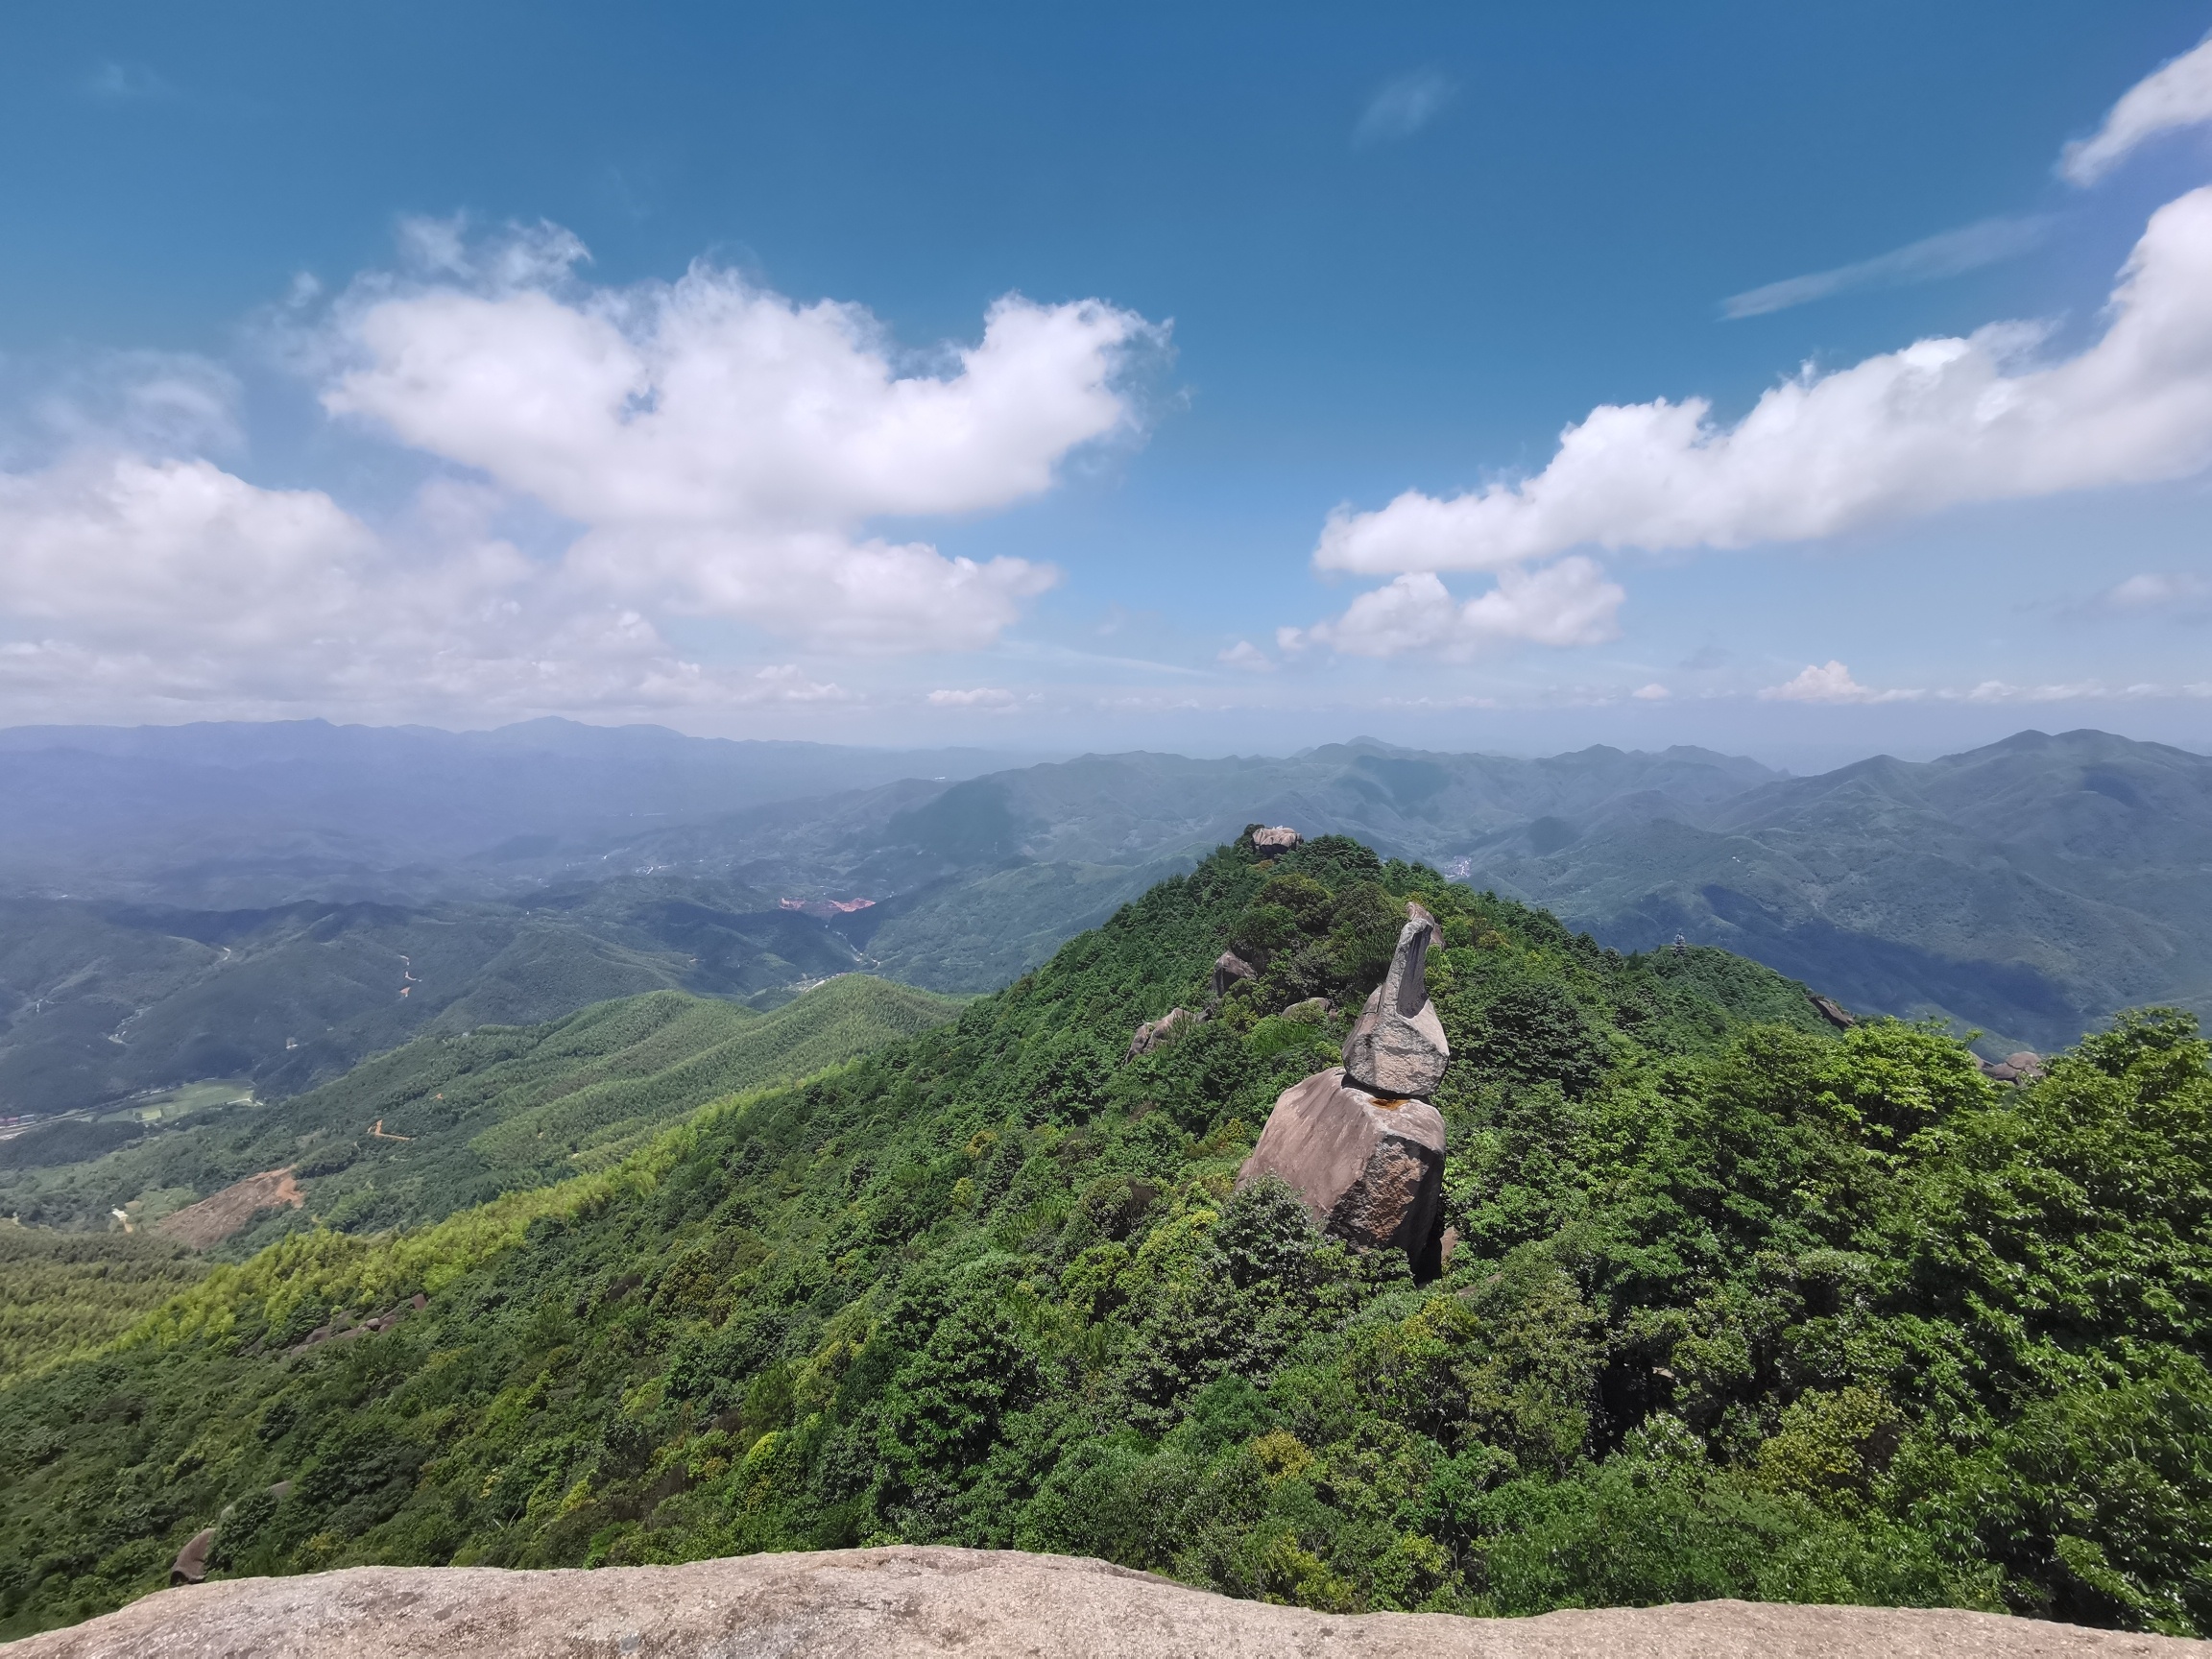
<point x="64" y="1293"/>
<point x="1738" y="1307"/>
<point x="444" y="1122"/>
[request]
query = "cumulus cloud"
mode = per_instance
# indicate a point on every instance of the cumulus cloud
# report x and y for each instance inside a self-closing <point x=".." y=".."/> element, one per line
<point x="1949" y="254"/>
<point x="1568" y="603"/>
<point x="138" y="582"/>
<point x="1248" y="657"/>
<point x="1652" y="693"/>
<point x="973" y="697"/>
<point x="2177" y="94"/>
<point x="723" y="447"/>
<point x="1831" y="683"/>
<point x="1402" y="107"/>
<point x="1942" y="423"/>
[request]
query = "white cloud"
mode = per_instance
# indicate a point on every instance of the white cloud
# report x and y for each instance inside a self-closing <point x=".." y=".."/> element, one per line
<point x="119" y="549"/>
<point x="1652" y="693"/>
<point x="2156" y="590"/>
<point x="1832" y="683"/>
<point x="138" y="585"/>
<point x="1940" y="423"/>
<point x="975" y="697"/>
<point x="1567" y="603"/>
<point x="785" y="683"/>
<point x="1248" y="657"/>
<point x="1404" y="107"/>
<point x="723" y="447"/>
<point x="1949" y="254"/>
<point x="2177" y="94"/>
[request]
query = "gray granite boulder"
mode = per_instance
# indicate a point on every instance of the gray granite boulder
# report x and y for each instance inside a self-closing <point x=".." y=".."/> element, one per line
<point x="918" y="1603"/>
<point x="1397" y="1047"/>
<point x="1370" y="1167"/>
<point x="1228" y="969"/>
<point x="1154" y="1032"/>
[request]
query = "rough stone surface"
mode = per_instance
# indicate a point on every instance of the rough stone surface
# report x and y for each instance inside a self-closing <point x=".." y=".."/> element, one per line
<point x="914" y="1603"/>
<point x="1279" y="839"/>
<point x="1369" y="1167"/>
<point x="1828" y="1008"/>
<point x="1154" y="1032"/>
<point x="2026" y="1066"/>
<point x="191" y="1563"/>
<point x="1397" y="1047"/>
<point x="1228" y="969"/>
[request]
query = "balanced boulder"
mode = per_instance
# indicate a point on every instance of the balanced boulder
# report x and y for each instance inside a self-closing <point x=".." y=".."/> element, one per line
<point x="1228" y="969"/>
<point x="1397" y="1047"/>
<point x="1370" y="1167"/>
<point x="1360" y="1146"/>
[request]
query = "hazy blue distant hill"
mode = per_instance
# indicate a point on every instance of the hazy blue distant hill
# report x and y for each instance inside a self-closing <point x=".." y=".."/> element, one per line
<point x="980" y="879"/>
<point x="2031" y="887"/>
<point x="237" y="815"/>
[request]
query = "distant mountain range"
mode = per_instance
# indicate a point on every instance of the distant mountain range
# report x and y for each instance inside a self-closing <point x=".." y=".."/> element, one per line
<point x="272" y="903"/>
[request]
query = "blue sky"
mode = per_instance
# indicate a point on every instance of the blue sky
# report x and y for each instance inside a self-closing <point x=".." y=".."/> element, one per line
<point x="1272" y="264"/>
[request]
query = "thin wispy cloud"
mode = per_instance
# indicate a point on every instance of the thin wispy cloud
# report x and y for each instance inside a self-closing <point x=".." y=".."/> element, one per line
<point x="1949" y="254"/>
<point x="2176" y="594"/>
<point x="1405" y="107"/>
<point x="2177" y="94"/>
<point x="118" y="82"/>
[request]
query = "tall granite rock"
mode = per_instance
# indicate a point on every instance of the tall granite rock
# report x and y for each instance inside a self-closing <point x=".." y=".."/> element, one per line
<point x="1397" y="1047"/>
<point x="1358" y="1142"/>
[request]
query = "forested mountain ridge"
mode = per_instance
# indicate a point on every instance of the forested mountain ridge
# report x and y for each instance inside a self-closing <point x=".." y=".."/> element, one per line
<point x="2029" y="888"/>
<point x="456" y="1118"/>
<point x="1739" y="1305"/>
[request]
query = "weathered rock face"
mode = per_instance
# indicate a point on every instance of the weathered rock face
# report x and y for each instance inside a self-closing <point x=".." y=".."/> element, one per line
<point x="914" y="1603"/>
<point x="2025" y="1066"/>
<point x="1228" y="969"/>
<point x="1370" y="1168"/>
<point x="1154" y="1032"/>
<point x="1397" y="1047"/>
<point x="1279" y="839"/>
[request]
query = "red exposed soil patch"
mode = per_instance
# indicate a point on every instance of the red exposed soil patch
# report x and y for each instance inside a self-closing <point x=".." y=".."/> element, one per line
<point x="233" y="1209"/>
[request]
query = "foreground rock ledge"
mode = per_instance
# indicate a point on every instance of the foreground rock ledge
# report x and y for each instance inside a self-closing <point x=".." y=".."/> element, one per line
<point x="977" y="1603"/>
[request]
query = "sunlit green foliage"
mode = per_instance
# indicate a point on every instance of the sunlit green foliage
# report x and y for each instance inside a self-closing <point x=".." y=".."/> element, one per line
<point x="1738" y="1307"/>
<point x="65" y="1293"/>
<point x="451" y="1120"/>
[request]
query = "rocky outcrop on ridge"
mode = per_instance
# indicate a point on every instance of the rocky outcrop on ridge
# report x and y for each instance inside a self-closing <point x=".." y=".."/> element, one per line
<point x="1397" y="1047"/>
<point x="1228" y="969"/>
<point x="1358" y="1142"/>
<point x="916" y="1603"/>
<point x="1154" y="1032"/>
<point x="1370" y="1167"/>
<point x="1279" y="839"/>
